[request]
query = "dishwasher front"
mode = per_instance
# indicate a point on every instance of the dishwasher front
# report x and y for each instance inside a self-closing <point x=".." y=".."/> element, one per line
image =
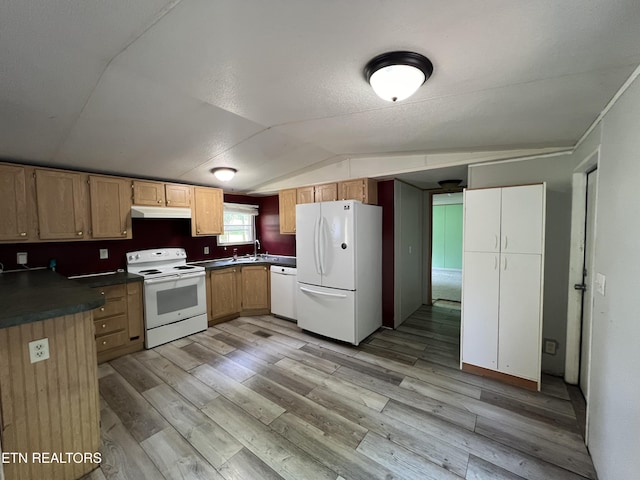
<point x="283" y="291"/>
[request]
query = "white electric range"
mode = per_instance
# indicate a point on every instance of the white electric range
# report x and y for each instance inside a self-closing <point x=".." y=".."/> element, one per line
<point x="175" y="300"/>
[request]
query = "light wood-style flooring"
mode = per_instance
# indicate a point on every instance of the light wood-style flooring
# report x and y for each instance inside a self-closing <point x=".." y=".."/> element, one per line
<point x="257" y="398"/>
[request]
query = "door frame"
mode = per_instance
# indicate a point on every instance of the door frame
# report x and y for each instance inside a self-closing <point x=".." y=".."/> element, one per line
<point x="428" y="274"/>
<point x="576" y="262"/>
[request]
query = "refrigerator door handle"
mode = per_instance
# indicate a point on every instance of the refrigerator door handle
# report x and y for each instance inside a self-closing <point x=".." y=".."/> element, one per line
<point x="324" y="294"/>
<point x="316" y="252"/>
<point x="321" y="243"/>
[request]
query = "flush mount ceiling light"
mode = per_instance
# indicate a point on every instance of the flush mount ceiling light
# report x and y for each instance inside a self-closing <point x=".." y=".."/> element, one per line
<point x="449" y="184"/>
<point x="224" y="174"/>
<point x="397" y="75"/>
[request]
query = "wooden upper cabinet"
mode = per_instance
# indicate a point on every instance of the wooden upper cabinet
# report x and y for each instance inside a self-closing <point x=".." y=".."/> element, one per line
<point x="148" y="193"/>
<point x="305" y="194"/>
<point x="13" y="203"/>
<point x="287" y="209"/>
<point x="207" y="211"/>
<point x="61" y="205"/>
<point x="364" y="190"/>
<point x="110" y="207"/>
<point x="327" y="192"/>
<point x="159" y="194"/>
<point x="177" y="195"/>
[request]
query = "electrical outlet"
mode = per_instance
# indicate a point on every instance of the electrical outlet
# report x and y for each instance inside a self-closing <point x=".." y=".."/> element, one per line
<point x="550" y="346"/>
<point x="21" y="258"/>
<point x="104" y="253"/>
<point x="206" y="250"/>
<point x="39" y="350"/>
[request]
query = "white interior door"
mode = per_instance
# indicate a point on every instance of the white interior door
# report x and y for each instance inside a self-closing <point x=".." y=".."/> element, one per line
<point x="522" y="219"/>
<point x="338" y="245"/>
<point x="519" y="324"/>
<point x="307" y="252"/>
<point x="480" y="289"/>
<point x="587" y="282"/>
<point x="482" y="220"/>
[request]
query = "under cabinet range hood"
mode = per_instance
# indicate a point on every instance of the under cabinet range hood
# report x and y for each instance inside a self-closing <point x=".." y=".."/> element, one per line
<point x="138" y="211"/>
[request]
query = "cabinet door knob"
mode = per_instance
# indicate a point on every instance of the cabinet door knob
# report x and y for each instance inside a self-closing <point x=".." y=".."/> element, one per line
<point x="79" y="233"/>
<point x="104" y="325"/>
<point x="23" y="234"/>
<point x="104" y="343"/>
<point x="102" y="309"/>
<point x="159" y="201"/>
<point x="168" y="202"/>
<point x="102" y="293"/>
<point x="124" y="232"/>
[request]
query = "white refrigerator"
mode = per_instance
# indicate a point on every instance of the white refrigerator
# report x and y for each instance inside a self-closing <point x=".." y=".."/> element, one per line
<point x="339" y="261"/>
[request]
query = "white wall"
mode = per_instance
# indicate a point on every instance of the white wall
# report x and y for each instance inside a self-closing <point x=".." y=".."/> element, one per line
<point x="408" y="235"/>
<point x="557" y="171"/>
<point x="614" y="408"/>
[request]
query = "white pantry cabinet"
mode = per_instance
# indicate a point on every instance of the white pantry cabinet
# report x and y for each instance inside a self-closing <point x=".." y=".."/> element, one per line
<point x="502" y="282"/>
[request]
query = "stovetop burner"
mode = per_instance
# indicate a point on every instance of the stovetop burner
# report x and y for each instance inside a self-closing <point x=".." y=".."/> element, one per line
<point x="150" y="271"/>
<point x="184" y="267"/>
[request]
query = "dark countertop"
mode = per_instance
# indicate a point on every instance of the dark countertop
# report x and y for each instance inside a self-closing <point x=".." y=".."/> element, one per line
<point x="279" y="260"/>
<point x="108" y="279"/>
<point x="36" y="295"/>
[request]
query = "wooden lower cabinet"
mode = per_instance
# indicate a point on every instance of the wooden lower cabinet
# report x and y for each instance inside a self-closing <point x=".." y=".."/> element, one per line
<point x="119" y="324"/>
<point x="224" y="293"/>
<point x="255" y="289"/>
<point x="239" y="290"/>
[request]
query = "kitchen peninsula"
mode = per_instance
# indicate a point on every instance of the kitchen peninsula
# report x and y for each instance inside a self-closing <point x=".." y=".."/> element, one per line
<point x="51" y="406"/>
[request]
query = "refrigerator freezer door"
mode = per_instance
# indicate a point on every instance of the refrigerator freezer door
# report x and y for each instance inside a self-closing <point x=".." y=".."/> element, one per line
<point x="337" y="245"/>
<point x="307" y="248"/>
<point x="327" y="311"/>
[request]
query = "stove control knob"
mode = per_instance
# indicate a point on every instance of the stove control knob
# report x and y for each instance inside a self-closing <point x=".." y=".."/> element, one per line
<point x="137" y="257"/>
<point x="130" y="257"/>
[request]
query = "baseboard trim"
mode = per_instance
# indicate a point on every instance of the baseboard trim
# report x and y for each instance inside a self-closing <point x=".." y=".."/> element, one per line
<point x="502" y="377"/>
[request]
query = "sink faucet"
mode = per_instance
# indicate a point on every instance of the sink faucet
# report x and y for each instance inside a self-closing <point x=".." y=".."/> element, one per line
<point x="256" y="247"/>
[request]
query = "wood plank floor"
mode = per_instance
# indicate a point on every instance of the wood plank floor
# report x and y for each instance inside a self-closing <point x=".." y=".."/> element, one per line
<point x="257" y="398"/>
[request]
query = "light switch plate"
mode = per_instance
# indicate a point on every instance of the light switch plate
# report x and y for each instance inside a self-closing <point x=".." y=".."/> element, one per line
<point x="206" y="250"/>
<point x="600" y="283"/>
<point x="104" y="253"/>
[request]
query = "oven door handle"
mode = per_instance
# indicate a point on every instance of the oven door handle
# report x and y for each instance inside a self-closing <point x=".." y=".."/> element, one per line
<point x="171" y="278"/>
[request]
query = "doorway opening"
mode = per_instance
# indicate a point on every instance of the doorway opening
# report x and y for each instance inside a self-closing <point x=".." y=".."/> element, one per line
<point x="446" y="249"/>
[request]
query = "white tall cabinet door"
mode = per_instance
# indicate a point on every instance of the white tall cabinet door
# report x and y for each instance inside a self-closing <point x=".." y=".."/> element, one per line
<point x="482" y="220"/>
<point x="519" y="315"/>
<point x="522" y="219"/>
<point x="480" y="289"/>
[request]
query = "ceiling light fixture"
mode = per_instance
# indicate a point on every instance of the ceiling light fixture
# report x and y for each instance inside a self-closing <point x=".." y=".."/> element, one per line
<point x="449" y="184"/>
<point x="224" y="174"/>
<point x="397" y="75"/>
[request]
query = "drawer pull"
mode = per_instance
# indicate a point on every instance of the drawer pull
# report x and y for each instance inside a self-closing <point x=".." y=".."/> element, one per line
<point x="102" y="309"/>
<point x="104" y="325"/>
<point x="104" y="342"/>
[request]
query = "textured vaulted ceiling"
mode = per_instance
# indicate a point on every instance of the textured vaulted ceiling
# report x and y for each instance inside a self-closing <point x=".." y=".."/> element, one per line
<point x="169" y="89"/>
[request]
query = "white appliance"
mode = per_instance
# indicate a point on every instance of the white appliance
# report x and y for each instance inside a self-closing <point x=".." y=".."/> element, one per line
<point x="175" y="295"/>
<point x="283" y="291"/>
<point x="339" y="263"/>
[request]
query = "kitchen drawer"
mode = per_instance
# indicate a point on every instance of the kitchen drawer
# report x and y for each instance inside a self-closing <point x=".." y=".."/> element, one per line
<point x="113" y="291"/>
<point x="107" y="342"/>
<point x="109" y="325"/>
<point x="112" y="307"/>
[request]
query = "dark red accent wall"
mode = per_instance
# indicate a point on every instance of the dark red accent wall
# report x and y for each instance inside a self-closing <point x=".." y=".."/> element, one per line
<point x="76" y="258"/>
<point x="385" y="200"/>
